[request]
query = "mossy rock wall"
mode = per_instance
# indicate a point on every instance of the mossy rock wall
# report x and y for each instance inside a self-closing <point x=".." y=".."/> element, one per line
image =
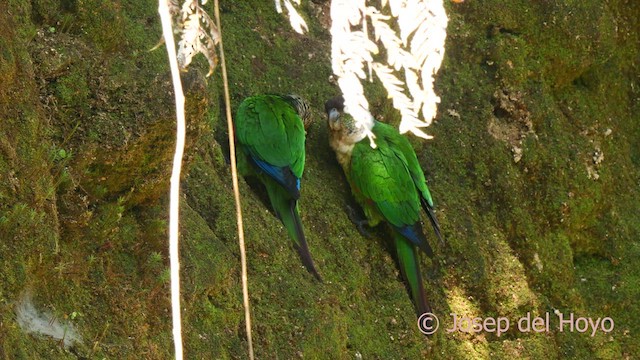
<point x="534" y="168"/>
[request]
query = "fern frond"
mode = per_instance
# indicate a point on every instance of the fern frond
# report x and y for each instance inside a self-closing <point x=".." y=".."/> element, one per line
<point x="297" y="22"/>
<point x="406" y="106"/>
<point x="414" y="54"/>
<point x="397" y="57"/>
<point x="350" y="51"/>
<point x="422" y="26"/>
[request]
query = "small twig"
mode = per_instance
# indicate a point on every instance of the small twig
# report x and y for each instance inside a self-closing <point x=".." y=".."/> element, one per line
<point x="236" y="191"/>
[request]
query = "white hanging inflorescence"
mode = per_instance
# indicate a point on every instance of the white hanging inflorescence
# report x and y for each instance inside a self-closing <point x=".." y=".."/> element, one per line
<point x="297" y="22"/>
<point x="350" y="51"/>
<point x="413" y="56"/>
<point x="198" y="34"/>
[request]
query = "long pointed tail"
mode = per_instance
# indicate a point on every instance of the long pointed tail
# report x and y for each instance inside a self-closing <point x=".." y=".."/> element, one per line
<point x="410" y="268"/>
<point x="294" y="225"/>
<point x="287" y="210"/>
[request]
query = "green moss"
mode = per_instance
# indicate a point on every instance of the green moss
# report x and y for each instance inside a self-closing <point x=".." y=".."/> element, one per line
<point x="72" y="90"/>
<point x="87" y="233"/>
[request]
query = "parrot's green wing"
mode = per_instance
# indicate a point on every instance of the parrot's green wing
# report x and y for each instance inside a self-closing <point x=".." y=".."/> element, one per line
<point x="272" y="135"/>
<point x="401" y="143"/>
<point x="381" y="176"/>
<point x="381" y="179"/>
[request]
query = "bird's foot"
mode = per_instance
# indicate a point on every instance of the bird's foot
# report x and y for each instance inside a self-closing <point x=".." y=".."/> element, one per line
<point x="361" y="223"/>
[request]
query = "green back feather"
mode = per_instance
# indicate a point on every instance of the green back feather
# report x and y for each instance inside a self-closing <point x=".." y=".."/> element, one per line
<point x="269" y="128"/>
<point x="384" y="179"/>
<point x="401" y="144"/>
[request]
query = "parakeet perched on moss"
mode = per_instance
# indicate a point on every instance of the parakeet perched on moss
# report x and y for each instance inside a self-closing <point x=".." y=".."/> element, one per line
<point x="270" y="135"/>
<point x="389" y="184"/>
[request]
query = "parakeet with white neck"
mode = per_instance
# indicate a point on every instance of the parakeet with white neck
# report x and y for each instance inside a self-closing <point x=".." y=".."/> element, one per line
<point x="389" y="184"/>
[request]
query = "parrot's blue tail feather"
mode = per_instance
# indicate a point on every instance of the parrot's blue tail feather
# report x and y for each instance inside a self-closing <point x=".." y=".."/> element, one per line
<point x="414" y="234"/>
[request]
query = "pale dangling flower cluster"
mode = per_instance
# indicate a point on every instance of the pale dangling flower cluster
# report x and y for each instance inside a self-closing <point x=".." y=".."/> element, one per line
<point x="413" y="56"/>
<point x="198" y="33"/>
<point x="297" y="22"/>
<point x="350" y="51"/>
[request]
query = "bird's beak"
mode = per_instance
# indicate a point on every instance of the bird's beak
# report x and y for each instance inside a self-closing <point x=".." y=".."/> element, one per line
<point x="333" y="115"/>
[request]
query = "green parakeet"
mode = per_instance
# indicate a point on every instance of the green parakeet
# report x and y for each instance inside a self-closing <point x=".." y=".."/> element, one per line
<point x="270" y="135"/>
<point x="389" y="184"/>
